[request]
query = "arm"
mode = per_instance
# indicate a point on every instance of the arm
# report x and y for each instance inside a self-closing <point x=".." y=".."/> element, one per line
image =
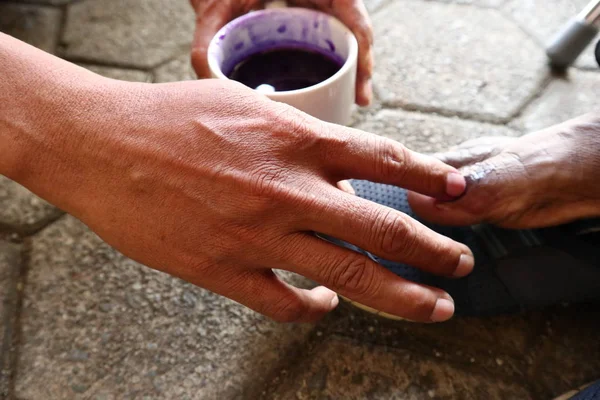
<point x="217" y="185"/>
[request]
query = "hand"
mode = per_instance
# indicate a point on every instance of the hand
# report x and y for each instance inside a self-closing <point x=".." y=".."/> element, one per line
<point x="212" y="15"/>
<point x="213" y="183"/>
<point x="541" y="179"/>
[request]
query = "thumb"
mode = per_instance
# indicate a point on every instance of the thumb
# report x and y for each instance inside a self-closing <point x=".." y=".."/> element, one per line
<point x="211" y="16"/>
<point x="482" y="200"/>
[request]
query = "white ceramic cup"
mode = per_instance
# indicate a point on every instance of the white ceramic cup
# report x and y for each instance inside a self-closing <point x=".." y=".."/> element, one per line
<point x="258" y="31"/>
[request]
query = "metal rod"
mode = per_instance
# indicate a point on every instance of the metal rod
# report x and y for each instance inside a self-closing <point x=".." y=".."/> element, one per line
<point x="591" y="13"/>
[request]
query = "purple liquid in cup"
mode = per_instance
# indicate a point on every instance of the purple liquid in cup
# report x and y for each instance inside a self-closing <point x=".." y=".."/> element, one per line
<point x="284" y="69"/>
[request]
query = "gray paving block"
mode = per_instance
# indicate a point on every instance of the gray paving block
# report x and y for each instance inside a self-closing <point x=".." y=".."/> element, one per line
<point x="494" y="344"/>
<point x="22" y="211"/>
<point x="136" y="33"/>
<point x="178" y="69"/>
<point x="456" y="59"/>
<point x="132" y="75"/>
<point x="36" y="25"/>
<point x="429" y="133"/>
<point x="565" y="98"/>
<point x="52" y="2"/>
<point x="10" y="259"/>
<point x="374" y="5"/>
<point x="543" y="18"/>
<point x="568" y="354"/>
<point x="479" y="3"/>
<point x="344" y="369"/>
<point x="98" y="325"/>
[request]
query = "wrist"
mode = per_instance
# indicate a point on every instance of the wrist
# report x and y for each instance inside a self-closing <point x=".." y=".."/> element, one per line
<point x="34" y="93"/>
<point x="47" y="108"/>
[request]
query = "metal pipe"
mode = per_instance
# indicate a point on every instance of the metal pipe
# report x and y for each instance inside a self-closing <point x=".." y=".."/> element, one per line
<point x="575" y="36"/>
<point x="591" y="13"/>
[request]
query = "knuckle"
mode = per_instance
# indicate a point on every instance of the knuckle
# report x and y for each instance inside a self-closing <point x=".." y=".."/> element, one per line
<point x="267" y="181"/>
<point x="486" y="188"/>
<point x="356" y="275"/>
<point x="395" y="234"/>
<point x="296" y="125"/>
<point x="392" y="158"/>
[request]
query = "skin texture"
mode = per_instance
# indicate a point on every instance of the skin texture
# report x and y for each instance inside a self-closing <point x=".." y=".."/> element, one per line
<point x="542" y="179"/>
<point x="213" y="183"/>
<point x="212" y="15"/>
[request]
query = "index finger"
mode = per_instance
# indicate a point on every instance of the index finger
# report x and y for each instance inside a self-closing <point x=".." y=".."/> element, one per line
<point x="352" y="154"/>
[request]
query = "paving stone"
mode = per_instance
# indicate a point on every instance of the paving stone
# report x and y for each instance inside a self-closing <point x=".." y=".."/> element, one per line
<point x="21" y="211"/>
<point x="569" y="352"/>
<point x="428" y="133"/>
<point x="179" y="69"/>
<point x="98" y="325"/>
<point x="477" y="341"/>
<point x="132" y="75"/>
<point x="343" y="369"/>
<point x="135" y="33"/>
<point x="52" y="2"/>
<point x="38" y="26"/>
<point x="10" y="259"/>
<point x="478" y="3"/>
<point x="454" y="59"/>
<point x="374" y="5"/>
<point x="565" y="98"/>
<point x="543" y="19"/>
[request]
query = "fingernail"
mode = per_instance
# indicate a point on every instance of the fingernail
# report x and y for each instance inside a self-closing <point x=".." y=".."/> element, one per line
<point x="346" y="187"/>
<point x="443" y="310"/>
<point x="455" y="184"/>
<point x="441" y="205"/>
<point x="465" y="266"/>
<point x="334" y="302"/>
<point x="369" y="91"/>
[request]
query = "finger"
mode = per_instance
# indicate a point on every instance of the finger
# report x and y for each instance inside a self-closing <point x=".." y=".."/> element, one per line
<point x="486" y="141"/>
<point x="491" y="192"/>
<point x="360" y="279"/>
<point x="463" y="157"/>
<point x="354" y="15"/>
<point x="210" y="17"/>
<point x="354" y="154"/>
<point x="473" y="151"/>
<point x="389" y="234"/>
<point x="346" y="187"/>
<point x="431" y="210"/>
<point x="266" y="294"/>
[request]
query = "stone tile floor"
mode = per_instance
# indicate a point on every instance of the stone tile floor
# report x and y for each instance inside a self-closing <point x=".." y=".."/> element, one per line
<point x="81" y="321"/>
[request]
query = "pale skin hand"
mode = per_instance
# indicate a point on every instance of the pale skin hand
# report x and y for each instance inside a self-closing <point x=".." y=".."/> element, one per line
<point x="215" y="184"/>
<point x="212" y="15"/>
<point x="542" y="179"/>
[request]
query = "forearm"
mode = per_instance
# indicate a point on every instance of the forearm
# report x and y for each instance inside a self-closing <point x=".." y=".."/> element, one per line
<point x="37" y="92"/>
<point x="47" y="106"/>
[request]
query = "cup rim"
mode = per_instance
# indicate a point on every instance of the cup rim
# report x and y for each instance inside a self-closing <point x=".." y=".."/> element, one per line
<point x="348" y="64"/>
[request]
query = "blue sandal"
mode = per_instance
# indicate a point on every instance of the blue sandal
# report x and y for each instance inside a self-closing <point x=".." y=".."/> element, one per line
<point x="514" y="269"/>
<point x="587" y="392"/>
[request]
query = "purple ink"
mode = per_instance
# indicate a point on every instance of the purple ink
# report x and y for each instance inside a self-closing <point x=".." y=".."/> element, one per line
<point x="282" y="29"/>
<point x="239" y="46"/>
<point x="330" y="44"/>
